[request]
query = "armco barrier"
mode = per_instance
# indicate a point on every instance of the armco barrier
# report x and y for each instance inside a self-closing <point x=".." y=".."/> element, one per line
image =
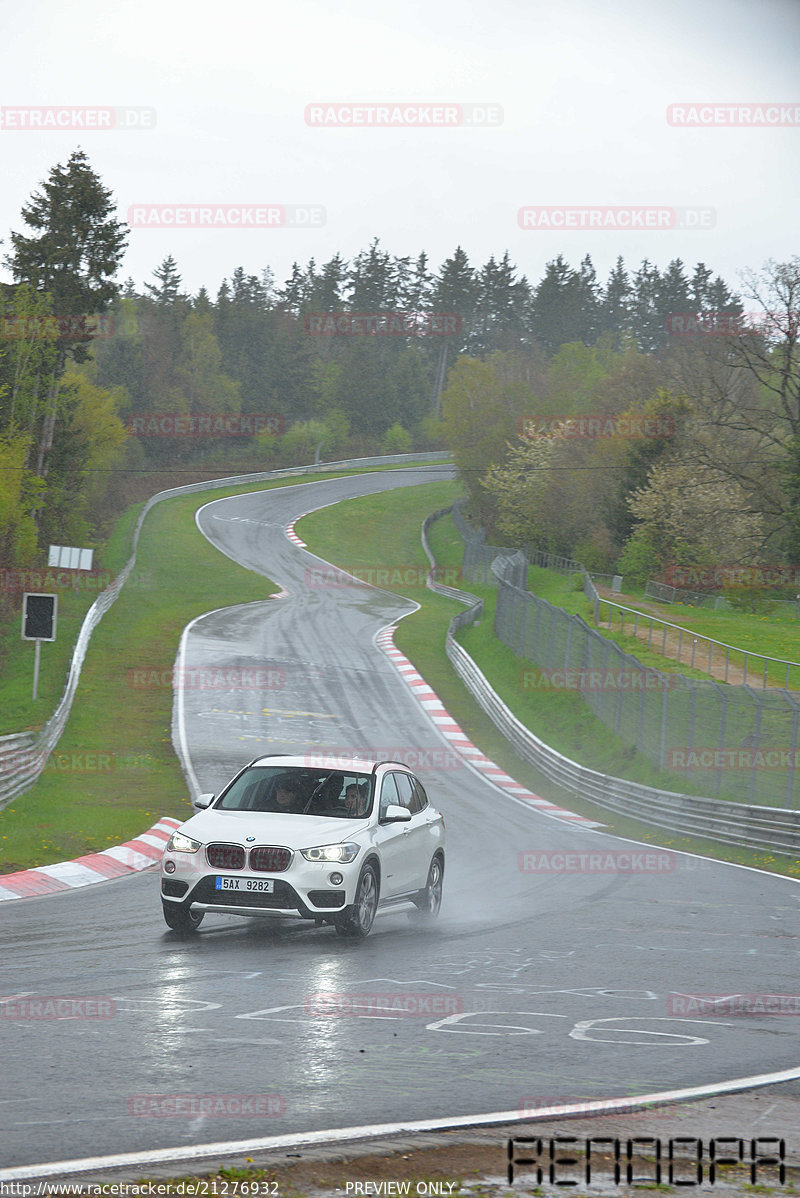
<point x="764" y="828"/>
<point x="24" y="755"/>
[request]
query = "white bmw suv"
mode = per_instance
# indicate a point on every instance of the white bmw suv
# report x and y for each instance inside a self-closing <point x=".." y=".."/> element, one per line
<point x="331" y="840"/>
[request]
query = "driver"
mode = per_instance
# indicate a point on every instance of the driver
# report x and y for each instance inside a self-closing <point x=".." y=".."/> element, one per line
<point x="287" y="797"/>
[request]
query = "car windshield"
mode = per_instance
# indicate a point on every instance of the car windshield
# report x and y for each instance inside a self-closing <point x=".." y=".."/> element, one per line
<point x="295" y="790"/>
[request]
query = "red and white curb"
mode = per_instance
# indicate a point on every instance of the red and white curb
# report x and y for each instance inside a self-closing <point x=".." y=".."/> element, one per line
<point x="460" y="742"/>
<point x="292" y="535"/>
<point x="133" y="856"/>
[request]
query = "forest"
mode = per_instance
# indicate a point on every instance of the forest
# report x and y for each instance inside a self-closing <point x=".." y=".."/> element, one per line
<point x="643" y="421"/>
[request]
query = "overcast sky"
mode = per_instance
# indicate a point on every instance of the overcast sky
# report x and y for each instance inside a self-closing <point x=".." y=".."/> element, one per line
<point x="584" y="89"/>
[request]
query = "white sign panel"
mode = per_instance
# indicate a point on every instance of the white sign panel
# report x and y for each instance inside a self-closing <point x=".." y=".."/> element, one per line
<point x="65" y="557"/>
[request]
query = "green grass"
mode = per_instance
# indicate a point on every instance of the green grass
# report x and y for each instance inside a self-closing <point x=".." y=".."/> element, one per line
<point x="773" y="635"/>
<point x="385" y="533"/>
<point x="83" y="803"/>
<point x="19" y="711"/>
<point x="114" y="771"/>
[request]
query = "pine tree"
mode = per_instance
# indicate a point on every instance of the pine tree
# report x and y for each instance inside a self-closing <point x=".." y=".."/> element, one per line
<point x="74" y="250"/>
<point x="615" y="303"/>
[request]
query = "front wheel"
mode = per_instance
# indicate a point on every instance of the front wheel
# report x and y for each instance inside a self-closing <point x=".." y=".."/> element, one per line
<point x="429" y="903"/>
<point x="357" y="921"/>
<point x="181" y="919"/>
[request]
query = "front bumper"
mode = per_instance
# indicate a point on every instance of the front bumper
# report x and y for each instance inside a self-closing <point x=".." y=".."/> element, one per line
<point x="303" y="891"/>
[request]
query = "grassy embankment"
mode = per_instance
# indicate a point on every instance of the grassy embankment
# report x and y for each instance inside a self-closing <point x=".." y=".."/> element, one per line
<point x="383" y="531"/>
<point x="83" y="803"/>
<point x="114" y="771"/>
<point x="772" y="634"/>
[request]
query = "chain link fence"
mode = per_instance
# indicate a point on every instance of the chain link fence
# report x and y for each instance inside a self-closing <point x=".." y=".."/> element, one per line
<point x="731" y="740"/>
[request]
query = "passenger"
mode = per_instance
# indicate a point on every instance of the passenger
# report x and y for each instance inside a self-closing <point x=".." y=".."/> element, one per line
<point x="355" y="800"/>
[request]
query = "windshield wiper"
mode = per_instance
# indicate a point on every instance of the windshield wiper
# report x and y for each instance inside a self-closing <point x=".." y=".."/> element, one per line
<point x="316" y="791"/>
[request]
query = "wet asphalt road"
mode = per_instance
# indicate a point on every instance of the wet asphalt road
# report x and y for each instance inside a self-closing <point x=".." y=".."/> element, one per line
<point x="557" y="985"/>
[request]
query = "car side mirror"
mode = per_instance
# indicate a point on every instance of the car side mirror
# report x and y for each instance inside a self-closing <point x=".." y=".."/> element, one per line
<point x="394" y="814"/>
<point x="203" y="801"/>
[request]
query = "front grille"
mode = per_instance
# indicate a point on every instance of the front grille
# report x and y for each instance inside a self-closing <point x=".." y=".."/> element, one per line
<point x="173" y="888"/>
<point x="283" y="896"/>
<point x="326" y="898"/>
<point x="270" y="859"/>
<point x="225" y="856"/>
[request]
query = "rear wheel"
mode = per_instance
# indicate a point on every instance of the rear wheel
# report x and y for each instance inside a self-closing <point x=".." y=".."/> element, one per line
<point x="429" y="903"/>
<point x="356" y="922"/>
<point x="181" y="919"/>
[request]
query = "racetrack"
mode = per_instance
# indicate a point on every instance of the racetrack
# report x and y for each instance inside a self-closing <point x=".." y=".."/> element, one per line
<point x="533" y="986"/>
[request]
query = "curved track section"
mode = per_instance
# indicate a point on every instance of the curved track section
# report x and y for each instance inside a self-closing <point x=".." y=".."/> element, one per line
<point x="535" y="987"/>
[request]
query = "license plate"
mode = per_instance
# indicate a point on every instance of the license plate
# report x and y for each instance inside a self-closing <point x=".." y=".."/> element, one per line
<point x="262" y="885"/>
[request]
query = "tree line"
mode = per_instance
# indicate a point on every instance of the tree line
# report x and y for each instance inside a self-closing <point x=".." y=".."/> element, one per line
<point x="676" y="464"/>
<point x="343" y="358"/>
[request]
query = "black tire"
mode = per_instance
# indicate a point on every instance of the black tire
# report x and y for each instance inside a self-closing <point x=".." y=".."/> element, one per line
<point x="429" y="903"/>
<point x="181" y="919"/>
<point x="357" y="920"/>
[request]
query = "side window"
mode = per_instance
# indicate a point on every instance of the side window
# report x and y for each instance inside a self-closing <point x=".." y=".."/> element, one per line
<point x="388" y="794"/>
<point x="403" y="783"/>
<point x="420" y="798"/>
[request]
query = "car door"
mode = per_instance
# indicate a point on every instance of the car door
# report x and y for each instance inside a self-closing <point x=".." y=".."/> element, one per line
<point x="418" y="846"/>
<point x="392" y="841"/>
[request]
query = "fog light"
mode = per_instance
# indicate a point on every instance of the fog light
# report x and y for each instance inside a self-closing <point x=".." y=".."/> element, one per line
<point x="335" y="879"/>
<point x="169" y="867"/>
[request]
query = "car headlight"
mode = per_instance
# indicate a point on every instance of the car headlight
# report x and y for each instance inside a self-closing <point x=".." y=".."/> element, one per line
<point x="343" y="853"/>
<point x="180" y="843"/>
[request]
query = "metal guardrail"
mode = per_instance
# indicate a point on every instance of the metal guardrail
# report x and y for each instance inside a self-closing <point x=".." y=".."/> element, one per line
<point x="23" y="755"/>
<point x="692" y="639"/>
<point x="762" y="828"/>
<point x="746" y="740"/>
